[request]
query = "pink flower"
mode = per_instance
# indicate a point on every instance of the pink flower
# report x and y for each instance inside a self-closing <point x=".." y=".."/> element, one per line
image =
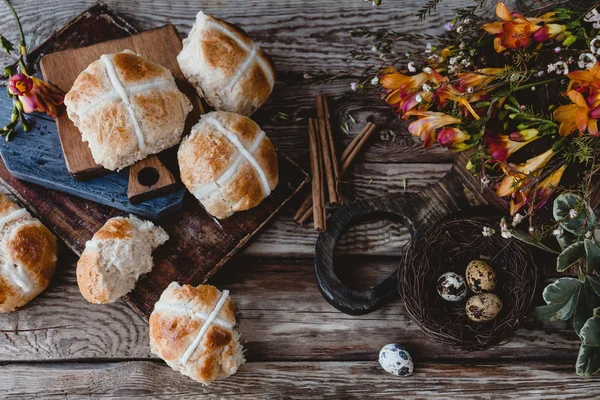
<point x="453" y="138"/>
<point x="36" y="94"/>
<point x="501" y="147"/>
<point x="20" y="84"/>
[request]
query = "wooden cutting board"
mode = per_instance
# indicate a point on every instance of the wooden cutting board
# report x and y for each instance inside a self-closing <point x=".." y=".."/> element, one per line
<point x="159" y="45"/>
<point x="198" y="244"/>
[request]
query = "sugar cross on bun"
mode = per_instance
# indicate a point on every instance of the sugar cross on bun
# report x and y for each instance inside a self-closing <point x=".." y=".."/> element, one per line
<point x="126" y="108"/>
<point x="118" y="254"/>
<point x="191" y="328"/>
<point x="225" y="66"/>
<point x="27" y="256"/>
<point x="228" y="163"/>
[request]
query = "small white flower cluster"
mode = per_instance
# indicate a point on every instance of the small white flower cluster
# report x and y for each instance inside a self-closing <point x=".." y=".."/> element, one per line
<point x="594" y="17"/>
<point x="517" y="219"/>
<point x="573" y="213"/>
<point x="594" y="45"/>
<point x="504" y="231"/>
<point x="487" y="231"/>
<point x="456" y="61"/>
<point x="558" y="232"/>
<point x="586" y="60"/>
<point x="560" y="67"/>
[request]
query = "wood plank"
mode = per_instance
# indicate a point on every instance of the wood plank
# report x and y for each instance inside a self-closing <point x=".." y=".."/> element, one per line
<point x="299" y="35"/>
<point x="280" y="312"/>
<point x="285" y="238"/>
<point x="294" y="380"/>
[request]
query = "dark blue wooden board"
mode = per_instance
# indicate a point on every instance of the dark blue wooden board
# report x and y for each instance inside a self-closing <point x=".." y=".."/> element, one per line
<point x="36" y="156"/>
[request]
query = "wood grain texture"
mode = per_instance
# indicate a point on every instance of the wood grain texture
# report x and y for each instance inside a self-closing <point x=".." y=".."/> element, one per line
<point x="304" y="380"/>
<point x="149" y="178"/>
<point x="280" y="314"/>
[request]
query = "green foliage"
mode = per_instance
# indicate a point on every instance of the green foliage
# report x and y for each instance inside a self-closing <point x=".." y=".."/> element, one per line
<point x="7" y="46"/>
<point x="588" y="361"/>
<point x="584" y="221"/>
<point x="577" y="298"/>
<point x="570" y="256"/>
<point x="592" y="252"/>
<point x="528" y="239"/>
<point x="561" y="298"/>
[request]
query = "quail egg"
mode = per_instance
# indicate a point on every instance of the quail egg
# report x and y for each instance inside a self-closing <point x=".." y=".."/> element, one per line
<point x="395" y="359"/>
<point x="481" y="278"/>
<point x="483" y="307"/>
<point x="451" y="287"/>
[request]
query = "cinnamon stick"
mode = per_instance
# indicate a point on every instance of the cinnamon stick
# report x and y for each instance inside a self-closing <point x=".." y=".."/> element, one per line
<point x="330" y="162"/>
<point x="304" y="207"/>
<point x="346" y="160"/>
<point x="316" y="164"/>
<point x="358" y="147"/>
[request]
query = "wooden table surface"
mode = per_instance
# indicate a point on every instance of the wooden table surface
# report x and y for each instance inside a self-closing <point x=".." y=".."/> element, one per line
<point x="298" y="346"/>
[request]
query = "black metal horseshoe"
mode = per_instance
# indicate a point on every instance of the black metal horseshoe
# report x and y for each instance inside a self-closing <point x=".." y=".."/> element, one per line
<point x="350" y="301"/>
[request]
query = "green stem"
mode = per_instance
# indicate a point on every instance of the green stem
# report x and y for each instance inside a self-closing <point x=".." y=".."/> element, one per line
<point x="531" y="84"/>
<point x="23" y="43"/>
<point x="17" y="20"/>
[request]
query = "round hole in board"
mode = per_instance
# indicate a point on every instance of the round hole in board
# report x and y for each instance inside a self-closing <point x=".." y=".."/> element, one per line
<point x="148" y="176"/>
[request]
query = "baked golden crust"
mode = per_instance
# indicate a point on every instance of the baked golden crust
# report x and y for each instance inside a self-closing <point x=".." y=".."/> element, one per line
<point x="175" y="326"/>
<point x="28" y="254"/>
<point x="126" y="108"/>
<point x="228" y="163"/>
<point x="227" y="68"/>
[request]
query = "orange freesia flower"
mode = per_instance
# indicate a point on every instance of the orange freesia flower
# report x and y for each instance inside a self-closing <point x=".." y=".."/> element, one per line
<point x="516" y="176"/>
<point x="425" y="127"/>
<point x="585" y="78"/>
<point x="463" y="99"/>
<point x="515" y="31"/>
<point x="542" y="192"/>
<point x="500" y="147"/>
<point x="582" y="114"/>
<point x="404" y="92"/>
<point x="547" y="187"/>
<point x="479" y="78"/>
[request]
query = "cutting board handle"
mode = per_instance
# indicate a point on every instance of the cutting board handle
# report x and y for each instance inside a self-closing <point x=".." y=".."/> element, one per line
<point x="149" y="178"/>
<point x="351" y="301"/>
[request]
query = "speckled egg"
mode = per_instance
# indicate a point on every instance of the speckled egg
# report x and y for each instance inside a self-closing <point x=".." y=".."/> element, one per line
<point x="483" y="307"/>
<point x="481" y="277"/>
<point x="395" y="359"/>
<point x="451" y="287"/>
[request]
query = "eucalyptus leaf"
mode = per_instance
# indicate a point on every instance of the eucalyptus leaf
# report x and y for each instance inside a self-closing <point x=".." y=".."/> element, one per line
<point x="586" y="304"/>
<point x="590" y="332"/>
<point x="570" y="256"/>
<point x="588" y="360"/>
<point x="594" y="283"/>
<point x="562" y="298"/>
<point x="565" y="239"/>
<point x="563" y="204"/>
<point x="527" y="239"/>
<point x="592" y="252"/>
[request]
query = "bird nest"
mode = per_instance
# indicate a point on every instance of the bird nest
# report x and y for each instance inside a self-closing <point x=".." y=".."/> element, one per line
<point x="450" y="246"/>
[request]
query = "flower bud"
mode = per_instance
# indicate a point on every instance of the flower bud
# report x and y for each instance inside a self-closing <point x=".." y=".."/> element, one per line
<point x="19" y="105"/>
<point x="569" y="40"/>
